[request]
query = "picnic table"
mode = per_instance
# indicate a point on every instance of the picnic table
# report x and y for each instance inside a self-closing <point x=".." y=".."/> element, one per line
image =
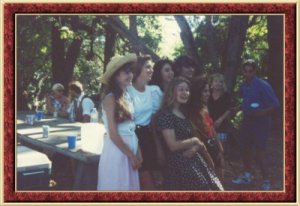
<point x="32" y="136"/>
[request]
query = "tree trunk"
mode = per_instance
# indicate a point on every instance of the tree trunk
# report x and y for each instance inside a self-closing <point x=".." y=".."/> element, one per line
<point x="58" y="54"/>
<point x="137" y="44"/>
<point x="188" y="41"/>
<point x="110" y="44"/>
<point x="211" y="44"/>
<point x="238" y="26"/>
<point x="63" y="62"/>
<point x="133" y="25"/>
<point x="275" y="64"/>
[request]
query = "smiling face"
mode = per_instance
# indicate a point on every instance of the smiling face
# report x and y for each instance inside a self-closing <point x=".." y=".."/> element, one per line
<point x="187" y="71"/>
<point x="167" y="73"/>
<point x="124" y="76"/>
<point x="182" y="93"/>
<point x="146" y="71"/>
<point x="217" y="84"/>
<point x="205" y="94"/>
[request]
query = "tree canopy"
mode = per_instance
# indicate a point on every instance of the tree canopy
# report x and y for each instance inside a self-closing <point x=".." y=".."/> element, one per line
<point x="61" y="48"/>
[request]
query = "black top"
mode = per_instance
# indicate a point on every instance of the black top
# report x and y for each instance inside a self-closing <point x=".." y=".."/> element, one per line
<point x="217" y="107"/>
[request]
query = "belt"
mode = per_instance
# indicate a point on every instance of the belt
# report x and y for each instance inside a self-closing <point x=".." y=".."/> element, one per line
<point x="143" y="126"/>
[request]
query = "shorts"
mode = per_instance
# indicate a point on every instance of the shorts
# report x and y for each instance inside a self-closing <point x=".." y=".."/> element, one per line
<point x="148" y="148"/>
<point x="254" y="133"/>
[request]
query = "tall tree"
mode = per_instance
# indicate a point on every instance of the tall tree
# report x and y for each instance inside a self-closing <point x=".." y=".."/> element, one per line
<point x="64" y="59"/>
<point x="136" y="43"/>
<point x="188" y="41"/>
<point x="234" y="47"/>
<point x="110" y="44"/>
<point x="275" y="63"/>
<point x="211" y="43"/>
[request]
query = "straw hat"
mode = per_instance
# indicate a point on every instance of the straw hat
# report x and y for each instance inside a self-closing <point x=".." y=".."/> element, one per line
<point x="115" y="63"/>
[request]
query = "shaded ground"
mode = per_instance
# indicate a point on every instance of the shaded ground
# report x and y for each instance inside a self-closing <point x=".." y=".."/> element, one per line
<point x="275" y="165"/>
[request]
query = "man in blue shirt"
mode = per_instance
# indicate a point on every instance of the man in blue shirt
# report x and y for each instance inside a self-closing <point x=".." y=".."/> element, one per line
<point x="259" y="103"/>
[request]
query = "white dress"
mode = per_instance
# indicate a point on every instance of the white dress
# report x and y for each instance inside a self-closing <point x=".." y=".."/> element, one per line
<point x="115" y="171"/>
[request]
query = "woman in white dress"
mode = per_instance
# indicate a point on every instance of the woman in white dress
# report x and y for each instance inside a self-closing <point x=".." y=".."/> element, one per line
<point x="121" y="157"/>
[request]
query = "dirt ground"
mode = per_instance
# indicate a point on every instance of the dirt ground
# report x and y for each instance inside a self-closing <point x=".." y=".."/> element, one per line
<point x="274" y="153"/>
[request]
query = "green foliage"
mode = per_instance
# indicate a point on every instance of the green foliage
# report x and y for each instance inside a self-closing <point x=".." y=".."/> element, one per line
<point x="149" y="31"/>
<point x="220" y="28"/>
<point x="33" y="56"/>
<point x="256" y="44"/>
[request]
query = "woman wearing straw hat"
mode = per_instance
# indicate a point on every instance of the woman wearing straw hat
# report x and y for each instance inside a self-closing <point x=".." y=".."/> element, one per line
<point x="121" y="157"/>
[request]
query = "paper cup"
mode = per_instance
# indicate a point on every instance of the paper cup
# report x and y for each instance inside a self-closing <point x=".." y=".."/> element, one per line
<point x="30" y="119"/>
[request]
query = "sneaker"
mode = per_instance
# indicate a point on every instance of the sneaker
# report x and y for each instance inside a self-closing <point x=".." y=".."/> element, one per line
<point x="243" y="178"/>
<point x="266" y="185"/>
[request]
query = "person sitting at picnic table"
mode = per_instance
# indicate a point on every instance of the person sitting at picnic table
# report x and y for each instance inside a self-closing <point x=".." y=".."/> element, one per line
<point x="57" y="101"/>
<point x="81" y="105"/>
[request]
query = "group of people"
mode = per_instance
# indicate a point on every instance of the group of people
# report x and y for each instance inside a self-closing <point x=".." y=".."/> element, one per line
<point x="162" y="119"/>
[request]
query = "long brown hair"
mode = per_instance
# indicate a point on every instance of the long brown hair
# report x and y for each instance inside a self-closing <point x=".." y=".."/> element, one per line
<point x="169" y="98"/>
<point x="141" y="60"/>
<point x="122" y="112"/>
<point x="196" y="105"/>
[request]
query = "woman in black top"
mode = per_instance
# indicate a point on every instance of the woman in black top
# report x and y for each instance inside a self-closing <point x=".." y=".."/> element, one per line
<point x="220" y="106"/>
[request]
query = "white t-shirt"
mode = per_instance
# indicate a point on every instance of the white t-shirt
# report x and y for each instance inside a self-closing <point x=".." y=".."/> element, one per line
<point x="145" y="103"/>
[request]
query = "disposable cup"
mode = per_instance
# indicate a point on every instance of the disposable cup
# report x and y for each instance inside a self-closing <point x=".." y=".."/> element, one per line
<point x="72" y="141"/>
<point x="39" y="115"/>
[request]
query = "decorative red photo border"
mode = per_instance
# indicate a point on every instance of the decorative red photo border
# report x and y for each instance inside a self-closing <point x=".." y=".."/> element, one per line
<point x="289" y="193"/>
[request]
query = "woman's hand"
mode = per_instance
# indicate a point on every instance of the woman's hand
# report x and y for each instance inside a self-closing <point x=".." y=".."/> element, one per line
<point x="191" y="152"/>
<point x="135" y="161"/>
<point x="218" y="123"/>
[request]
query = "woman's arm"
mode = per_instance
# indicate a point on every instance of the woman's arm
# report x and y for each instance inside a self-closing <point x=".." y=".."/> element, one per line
<point x="220" y="120"/>
<point x="174" y="145"/>
<point x="109" y="108"/>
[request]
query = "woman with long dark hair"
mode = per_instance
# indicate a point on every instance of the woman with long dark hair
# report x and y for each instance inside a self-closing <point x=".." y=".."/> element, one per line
<point x="121" y="157"/>
<point x="163" y="74"/>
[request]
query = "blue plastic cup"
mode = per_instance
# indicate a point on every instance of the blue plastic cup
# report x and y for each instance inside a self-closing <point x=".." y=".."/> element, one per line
<point x="72" y="142"/>
<point x="39" y="115"/>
